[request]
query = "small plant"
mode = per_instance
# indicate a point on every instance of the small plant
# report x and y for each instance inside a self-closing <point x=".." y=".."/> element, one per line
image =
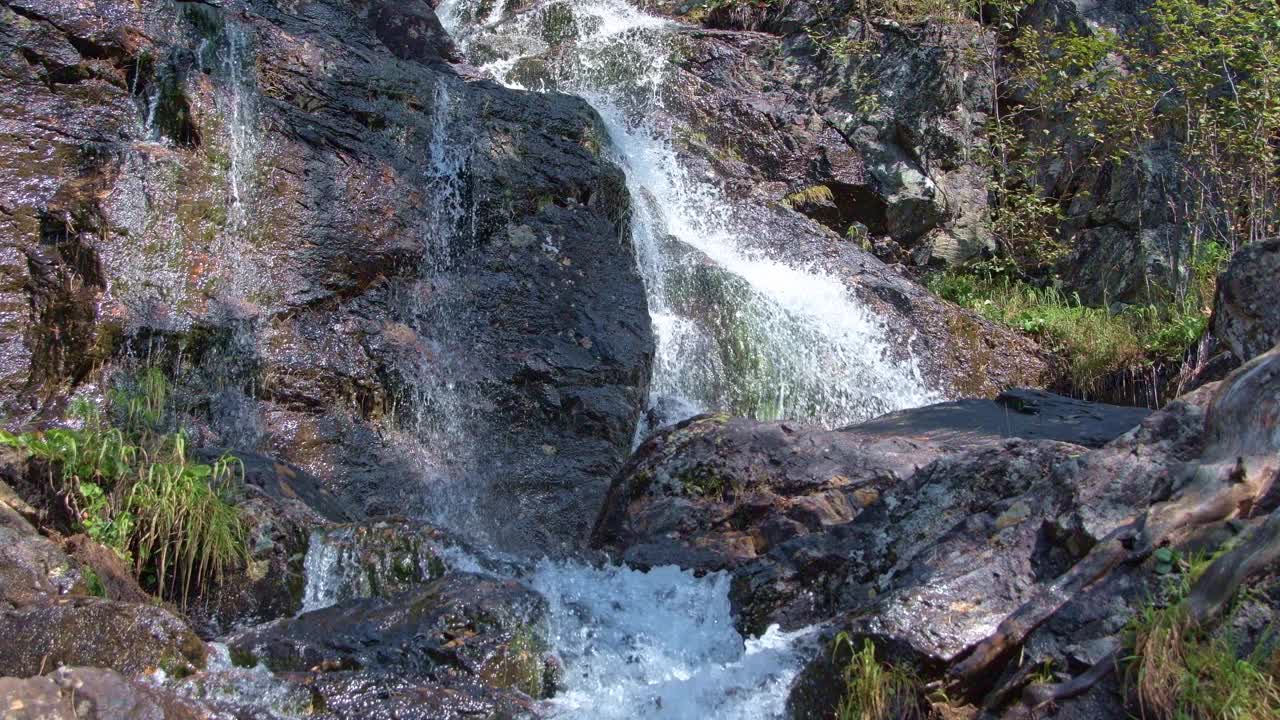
<point x="814" y="195"/>
<point x="1178" y="670"/>
<point x="875" y="690"/>
<point x="137" y="491"/>
<point x="93" y="583"/>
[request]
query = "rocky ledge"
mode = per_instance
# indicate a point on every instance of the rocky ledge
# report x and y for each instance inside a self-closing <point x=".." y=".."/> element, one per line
<point x="973" y="542"/>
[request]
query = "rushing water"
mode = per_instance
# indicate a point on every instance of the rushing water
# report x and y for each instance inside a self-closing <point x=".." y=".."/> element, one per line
<point x="738" y="330"/>
<point x="657" y="644"/>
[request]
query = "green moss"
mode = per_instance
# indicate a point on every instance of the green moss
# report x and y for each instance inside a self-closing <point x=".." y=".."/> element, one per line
<point x="520" y="664"/>
<point x="243" y="658"/>
<point x="93" y="583"/>
<point x="558" y="25"/>
<point x="702" y="481"/>
<point x="176" y="666"/>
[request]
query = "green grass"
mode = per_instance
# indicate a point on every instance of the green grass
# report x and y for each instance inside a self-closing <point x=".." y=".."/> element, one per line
<point x="1177" y="670"/>
<point x="874" y="690"/>
<point x="1094" y="342"/>
<point x="137" y="491"/>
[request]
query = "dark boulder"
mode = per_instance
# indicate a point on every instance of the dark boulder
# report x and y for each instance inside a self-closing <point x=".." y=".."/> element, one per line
<point x="774" y="502"/>
<point x="322" y="232"/>
<point x="462" y="626"/>
<point x="1246" y="315"/>
<point x="375" y="696"/>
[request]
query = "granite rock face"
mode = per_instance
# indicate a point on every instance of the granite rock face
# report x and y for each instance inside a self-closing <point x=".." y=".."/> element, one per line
<point x="338" y="248"/>
<point x="777" y="503"/>
<point x="1246" y="312"/>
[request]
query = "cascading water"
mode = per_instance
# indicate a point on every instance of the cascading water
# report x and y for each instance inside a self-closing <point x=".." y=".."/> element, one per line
<point x="237" y="101"/>
<point x="657" y="644"/>
<point x="737" y="330"/>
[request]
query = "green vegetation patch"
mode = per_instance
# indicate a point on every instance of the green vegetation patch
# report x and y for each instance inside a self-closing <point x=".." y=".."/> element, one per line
<point x="1094" y="342"/>
<point x="137" y="490"/>
<point x="875" y="690"/>
<point x="1177" y="670"/>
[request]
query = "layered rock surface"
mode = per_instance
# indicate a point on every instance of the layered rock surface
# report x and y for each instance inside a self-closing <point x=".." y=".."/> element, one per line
<point x="339" y="248"/>
<point x="952" y="547"/>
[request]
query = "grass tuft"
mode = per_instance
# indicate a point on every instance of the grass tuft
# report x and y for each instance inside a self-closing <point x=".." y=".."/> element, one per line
<point x="814" y="195"/>
<point x="1094" y="341"/>
<point x="874" y="690"/>
<point x="1177" y="670"/>
<point x="137" y="491"/>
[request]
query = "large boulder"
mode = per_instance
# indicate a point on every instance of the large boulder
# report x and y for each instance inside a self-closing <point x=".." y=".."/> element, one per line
<point x="345" y="254"/>
<point x="462" y="626"/>
<point x="773" y="502"/>
<point x="1049" y="568"/>
<point x="1246" y="316"/>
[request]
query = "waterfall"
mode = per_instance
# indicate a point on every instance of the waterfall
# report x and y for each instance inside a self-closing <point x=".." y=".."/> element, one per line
<point x="237" y="106"/>
<point x="738" y="329"/>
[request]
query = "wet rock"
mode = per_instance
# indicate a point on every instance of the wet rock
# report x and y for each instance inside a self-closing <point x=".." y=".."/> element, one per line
<point x="881" y="133"/>
<point x="282" y="505"/>
<point x="32" y="567"/>
<point x="91" y="694"/>
<point x="1064" y="586"/>
<point x="462" y="626"/>
<point x="412" y="31"/>
<point x="375" y="558"/>
<point x="1246" y="317"/>
<point x="373" y="696"/>
<point x="87" y="631"/>
<point x="776" y="503"/>
<point x="301" y="217"/>
<point x="102" y="571"/>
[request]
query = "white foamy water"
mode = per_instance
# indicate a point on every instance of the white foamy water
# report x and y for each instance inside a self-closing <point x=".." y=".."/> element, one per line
<point x="657" y="644"/>
<point x="660" y="645"/>
<point x="737" y="329"/>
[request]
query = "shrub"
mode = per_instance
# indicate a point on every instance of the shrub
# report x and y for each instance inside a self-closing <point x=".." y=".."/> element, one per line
<point x="1206" y="71"/>
<point x="137" y="491"/>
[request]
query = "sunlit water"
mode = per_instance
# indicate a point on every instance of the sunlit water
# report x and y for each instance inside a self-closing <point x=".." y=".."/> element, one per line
<point x="737" y="329"/>
<point x="657" y="644"/>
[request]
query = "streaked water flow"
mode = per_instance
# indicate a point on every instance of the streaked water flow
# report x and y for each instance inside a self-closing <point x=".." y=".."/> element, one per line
<point x="738" y="330"/>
